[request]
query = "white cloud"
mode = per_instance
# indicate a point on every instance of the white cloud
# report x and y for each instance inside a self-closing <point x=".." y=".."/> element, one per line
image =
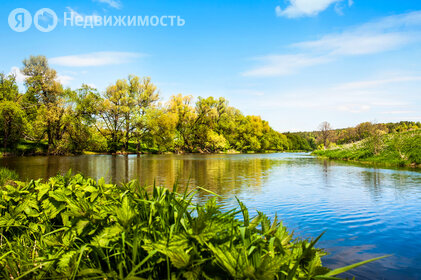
<point x="385" y="34"/>
<point x="354" y="108"/>
<point x="73" y="12"/>
<point x="376" y="83"/>
<point x="303" y="8"/>
<point x="393" y="23"/>
<point x="64" y="79"/>
<point x="398" y="112"/>
<point x="112" y="3"/>
<point x="369" y="98"/>
<point x="20" y="77"/>
<point x="356" y="43"/>
<point x="280" y="65"/>
<point x="95" y="59"/>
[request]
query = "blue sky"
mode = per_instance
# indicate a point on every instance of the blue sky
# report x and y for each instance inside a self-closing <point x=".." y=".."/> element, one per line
<point x="294" y="62"/>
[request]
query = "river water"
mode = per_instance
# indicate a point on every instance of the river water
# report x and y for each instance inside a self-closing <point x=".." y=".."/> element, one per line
<point x="364" y="211"/>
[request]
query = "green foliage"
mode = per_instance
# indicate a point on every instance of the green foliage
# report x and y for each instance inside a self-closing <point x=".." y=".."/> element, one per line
<point x="401" y="148"/>
<point x="77" y="228"/>
<point x="129" y="117"/>
<point x="129" y="111"/>
<point x="45" y="94"/>
<point x="9" y="90"/>
<point x="363" y="131"/>
<point x="298" y="143"/>
<point x="12" y="123"/>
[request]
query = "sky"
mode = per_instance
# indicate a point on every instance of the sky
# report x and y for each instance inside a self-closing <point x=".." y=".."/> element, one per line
<point x="296" y="63"/>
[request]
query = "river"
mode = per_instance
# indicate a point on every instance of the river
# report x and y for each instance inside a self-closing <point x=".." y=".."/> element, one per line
<point x="364" y="211"/>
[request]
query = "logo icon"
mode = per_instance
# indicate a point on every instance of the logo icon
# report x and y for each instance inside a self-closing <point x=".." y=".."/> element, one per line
<point x="45" y="20"/>
<point x="20" y="20"/>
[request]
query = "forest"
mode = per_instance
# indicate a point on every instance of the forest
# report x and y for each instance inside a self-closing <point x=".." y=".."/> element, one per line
<point x="129" y="117"/>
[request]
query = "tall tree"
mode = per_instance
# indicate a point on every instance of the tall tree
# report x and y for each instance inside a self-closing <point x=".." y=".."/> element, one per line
<point x="9" y="90"/>
<point x="112" y="111"/>
<point x="181" y="106"/>
<point x="47" y="92"/>
<point x="142" y="96"/>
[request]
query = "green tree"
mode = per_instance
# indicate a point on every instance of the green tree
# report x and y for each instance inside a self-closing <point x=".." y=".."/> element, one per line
<point x="9" y="89"/>
<point x="12" y="123"/>
<point x="81" y="134"/>
<point x="111" y="111"/>
<point x="181" y="107"/>
<point x="47" y="93"/>
<point x="143" y="96"/>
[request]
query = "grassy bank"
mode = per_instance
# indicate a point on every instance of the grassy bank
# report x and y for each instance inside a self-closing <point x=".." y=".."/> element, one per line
<point x="73" y="227"/>
<point x="397" y="149"/>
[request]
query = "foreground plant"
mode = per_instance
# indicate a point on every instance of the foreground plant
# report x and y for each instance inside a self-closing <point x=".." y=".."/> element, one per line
<point x="77" y="228"/>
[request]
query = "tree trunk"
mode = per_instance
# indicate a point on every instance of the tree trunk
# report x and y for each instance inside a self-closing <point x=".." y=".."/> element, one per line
<point x="50" y="137"/>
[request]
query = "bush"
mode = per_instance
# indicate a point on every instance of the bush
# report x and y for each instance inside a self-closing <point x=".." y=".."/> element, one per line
<point x="72" y="227"/>
<point x="413" y="148"/>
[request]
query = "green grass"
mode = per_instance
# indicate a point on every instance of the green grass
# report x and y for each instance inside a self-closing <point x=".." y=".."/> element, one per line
<point x="397" y="149"/>
<point x="7" y="175"/>
<point x="73" y="227"/>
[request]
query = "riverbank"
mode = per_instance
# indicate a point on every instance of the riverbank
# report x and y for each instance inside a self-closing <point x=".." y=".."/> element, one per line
<point x="41" y="149"/>
<point x="397" y="149"/>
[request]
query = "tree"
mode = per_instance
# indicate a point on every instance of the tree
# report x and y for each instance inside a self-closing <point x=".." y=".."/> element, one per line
<point x="12" y="117"/>
<point x="181" y="107"/>
<point x="12" y="123"/>
<point x="112" y="112"/>
<point x="81" y="119"/>
<point x="205" y="126"/>
<point x="325" y="133"/>
<point x="160" y="129"/>
<point x="143" y="96"/>
<point x="47" y="93"/>
<point x="122" y="111"/>
<point x="9" y="90"/>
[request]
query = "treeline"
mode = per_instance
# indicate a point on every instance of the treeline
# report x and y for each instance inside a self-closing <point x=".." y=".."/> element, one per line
<point x="326" y="136"/>
<point x="129" y="116"/>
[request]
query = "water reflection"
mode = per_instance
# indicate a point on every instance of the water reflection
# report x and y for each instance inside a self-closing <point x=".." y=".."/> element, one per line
<point x="219" y="173"/>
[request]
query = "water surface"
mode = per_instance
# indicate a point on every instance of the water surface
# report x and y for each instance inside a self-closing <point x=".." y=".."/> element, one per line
<point x="365" y="211"/>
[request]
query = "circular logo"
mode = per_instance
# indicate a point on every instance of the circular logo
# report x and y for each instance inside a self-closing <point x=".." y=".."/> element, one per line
<point x="20" y="20"/>
<point x="45" y="20"/>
